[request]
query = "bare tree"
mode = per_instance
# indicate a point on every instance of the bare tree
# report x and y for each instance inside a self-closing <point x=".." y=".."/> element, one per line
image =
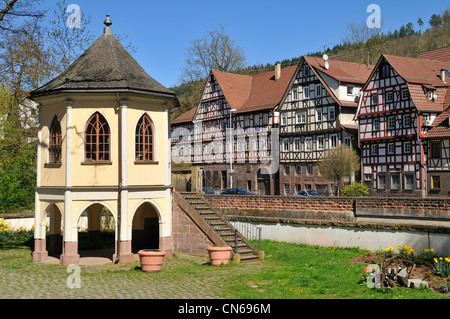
<point x="12" y="9"/>
<point x="338" y="163"/>
<point x="215" y="51"/>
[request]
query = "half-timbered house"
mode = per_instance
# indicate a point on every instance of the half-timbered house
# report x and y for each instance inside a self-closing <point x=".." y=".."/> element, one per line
<point x="234" y="120"/>
<point x="400" y="101"/>
<point x="316" y="114"/>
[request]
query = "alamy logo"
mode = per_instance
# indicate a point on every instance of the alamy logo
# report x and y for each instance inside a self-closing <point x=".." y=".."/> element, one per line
<point x="74" y="279"/>
<point x="374" y="20"/>
<point x="74" y="19"/>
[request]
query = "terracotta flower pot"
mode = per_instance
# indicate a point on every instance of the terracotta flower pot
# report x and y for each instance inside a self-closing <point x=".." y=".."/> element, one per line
<point x="219" y="255"/>
<point x="151" y="259"/>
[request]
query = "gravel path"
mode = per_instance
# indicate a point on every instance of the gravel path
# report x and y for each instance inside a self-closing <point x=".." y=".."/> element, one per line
<point x="182" y="277"/>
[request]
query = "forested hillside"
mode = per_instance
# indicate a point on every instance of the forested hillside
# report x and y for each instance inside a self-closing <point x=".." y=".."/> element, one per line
<point x="358" y="46"/>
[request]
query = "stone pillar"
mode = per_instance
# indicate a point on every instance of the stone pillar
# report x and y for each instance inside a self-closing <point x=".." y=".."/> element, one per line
<point x="70" y="247"/>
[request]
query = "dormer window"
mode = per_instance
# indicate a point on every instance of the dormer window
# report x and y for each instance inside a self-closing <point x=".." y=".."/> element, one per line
<point x="384" y="71"/>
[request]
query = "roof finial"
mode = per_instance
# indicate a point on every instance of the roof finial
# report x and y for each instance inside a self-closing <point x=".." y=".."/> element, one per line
<point x="108" y="23"/>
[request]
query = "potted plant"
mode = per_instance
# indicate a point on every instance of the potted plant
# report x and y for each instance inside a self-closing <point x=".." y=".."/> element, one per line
<point x="219" y="255"/>
<point x="151" y="259"/>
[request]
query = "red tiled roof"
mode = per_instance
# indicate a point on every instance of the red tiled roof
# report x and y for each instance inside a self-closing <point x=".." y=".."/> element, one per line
<point x="348" y="72"/>
<point x="440" y="127"/>
<point x="416" y="70"/>
<point x="441" y="54"/>
<point x="185" y="117"/>
<point x="235" y="87"/>
<point x="265" y="92"/>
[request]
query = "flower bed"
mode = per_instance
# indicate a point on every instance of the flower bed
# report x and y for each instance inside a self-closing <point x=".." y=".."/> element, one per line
<point x="431" y="269"/>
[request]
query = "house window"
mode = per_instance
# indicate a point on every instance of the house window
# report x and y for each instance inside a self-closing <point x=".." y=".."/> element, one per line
<point x="395" y="181"/>
<point x="331" y="113"/>
<point x="374" y="149"/>
<point x="265" y="119"/>
<point x="306" y="70"/>
<point x="384" y="72"/>
<point x="426" y="119"/>
<point x="430" y="94"/>
<point x="287" y="189"/>
<point x="333" y="140"/>
<point x="256" y="119"/>
<point x="283" y="119"/>
<point x="300" y="118"/>
<point x="318" y="115"/>
<point x="144" y="140"/>
<point x="409" y="181"/>
<point x="97" y="139"/>
<point x="306" y="92"/>
<point x="435" y="149"/>
<point x="347" y="141"/>
<point x="309" y="170"/>
<point x="246" y="121"/>
<point x="297" y="144"/>
<point x="294" y="95"/>
<point x="435" y="182"/>
<point x="376" y="125"/>
<point x="407" y="120"/>
<point x="407" y="147"/>
<point x="298" y="170"/>
<point x="285" y="145"/>
<point x="318" y="90"/>
<point x="391" y="123"/>
<point x="381" y="178"/>
<point x="374" y="99"/>
<point x="404" y="94"/>
<point x="54" y="144"/>
<point x="286" y="169"/>
<point x="390" y="149"/>
<point x="320" y="143"/>
<point x="308" y="144"/>
<point x="350" y="89"/>
<point x="389" y="96"/>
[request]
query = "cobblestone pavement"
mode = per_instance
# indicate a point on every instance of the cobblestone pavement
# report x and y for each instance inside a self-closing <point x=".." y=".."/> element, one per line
<point x="182" y="277"/>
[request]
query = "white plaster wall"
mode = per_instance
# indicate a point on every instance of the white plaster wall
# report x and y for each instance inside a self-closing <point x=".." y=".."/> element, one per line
<point x="364" y="238"/>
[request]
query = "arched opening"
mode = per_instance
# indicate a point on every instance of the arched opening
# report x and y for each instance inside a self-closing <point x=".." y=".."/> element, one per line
<point x="54" y="238"/>
<point x="96" y="232"/>
<point x="145" y="228"/>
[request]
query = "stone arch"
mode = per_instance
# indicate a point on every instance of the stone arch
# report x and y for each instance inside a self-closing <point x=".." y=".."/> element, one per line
<point x="95" y="239"/>
<point x="53" y="231"/>
<point x="146" y="230"/>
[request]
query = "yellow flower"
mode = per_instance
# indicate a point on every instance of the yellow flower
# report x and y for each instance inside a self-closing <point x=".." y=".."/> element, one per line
<point x="435" y="260"/>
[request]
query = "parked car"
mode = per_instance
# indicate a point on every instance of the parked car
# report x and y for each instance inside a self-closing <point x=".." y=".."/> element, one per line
<point x="236" y="191"/>
<point x="306" y="193"/>
<point x="207" y="190"/>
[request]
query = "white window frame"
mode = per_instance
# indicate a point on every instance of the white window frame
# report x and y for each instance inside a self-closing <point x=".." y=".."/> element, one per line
<point x="320" y="142"/>
<point x="389" y="96"/>
<point x="306" y="92"/>
<point x="404" y="94"/>
<point x="318" y="90"/>
<point x="319" y="115"/>
<point x="333" y="139"/>
<point x="391" y="177"/>
<point x="407" y="147"/>
<point x="265" y="119"/>
<point x="285" y="144"/>
<point x="294" y="93"/>
<point x="391" y="126"/>
<point x="308" y="144"/>
<point x="300" y="118"/>
<point x="374" y="149"/>
<point x="331" y="111"/>
<point x="390" y="148"/>
<point x="413" y="185"/>
<point x="378" y="180"/>
<point x="350" y="88"/>
<point x="283" y="119"/>
<point x="297" y="144"/>
<point x="256" y="119"/>
<point x="376" y="125"/>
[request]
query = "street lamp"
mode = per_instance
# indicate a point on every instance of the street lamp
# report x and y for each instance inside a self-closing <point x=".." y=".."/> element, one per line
<point x="231" y="148"/>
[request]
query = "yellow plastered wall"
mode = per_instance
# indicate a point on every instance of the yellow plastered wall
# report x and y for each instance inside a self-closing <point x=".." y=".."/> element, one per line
<point x="93" y="174"/>
<point x="52" y="176"/>
<point x="153" y="173"/>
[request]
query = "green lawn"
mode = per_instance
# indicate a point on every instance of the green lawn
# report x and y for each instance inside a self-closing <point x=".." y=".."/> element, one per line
<point x="289" y="271"/>
<point x="311" y="272"/>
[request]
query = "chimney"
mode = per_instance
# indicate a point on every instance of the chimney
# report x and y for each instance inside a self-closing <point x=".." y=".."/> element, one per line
<point x="443" y="71"/>
<point x="277" y="71"/>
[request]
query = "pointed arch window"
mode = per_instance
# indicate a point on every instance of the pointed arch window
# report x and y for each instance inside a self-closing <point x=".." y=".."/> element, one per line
<point x="97" y="139"/>
<point x="54" y="145"/>
<point x="144" y="140"/>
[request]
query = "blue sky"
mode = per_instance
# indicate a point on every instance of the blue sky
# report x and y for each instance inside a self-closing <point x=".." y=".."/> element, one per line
<point x="268" y="31"/>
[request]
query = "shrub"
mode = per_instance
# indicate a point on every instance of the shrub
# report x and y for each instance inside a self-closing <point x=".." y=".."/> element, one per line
<point x="355" y="190"/>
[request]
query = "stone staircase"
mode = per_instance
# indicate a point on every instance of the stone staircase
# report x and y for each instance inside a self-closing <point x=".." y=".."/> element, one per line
<point x="220" y="225"/>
